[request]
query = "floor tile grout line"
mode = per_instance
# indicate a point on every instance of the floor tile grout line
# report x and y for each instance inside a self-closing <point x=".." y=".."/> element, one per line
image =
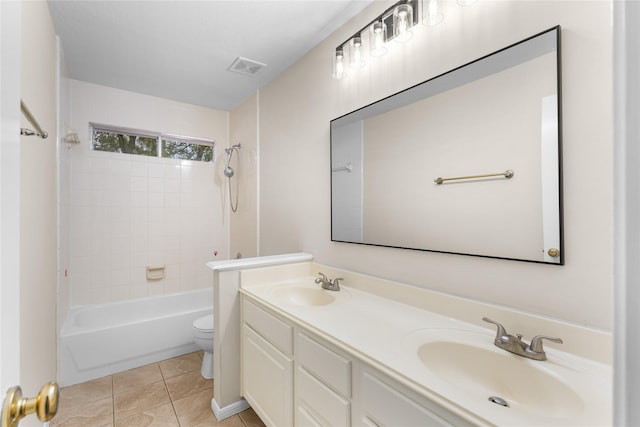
<point x="113" y="404"/>
<point x="173" y="407"/>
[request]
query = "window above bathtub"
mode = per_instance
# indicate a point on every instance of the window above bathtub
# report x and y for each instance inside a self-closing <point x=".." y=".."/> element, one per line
<point x="147" y="143"/>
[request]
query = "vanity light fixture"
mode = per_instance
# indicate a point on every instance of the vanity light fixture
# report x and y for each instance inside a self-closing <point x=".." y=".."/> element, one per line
<point x="395" y="23"/>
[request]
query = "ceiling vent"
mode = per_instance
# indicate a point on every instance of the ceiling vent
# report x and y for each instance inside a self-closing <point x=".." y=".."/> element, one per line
<point x="246" y="66"/>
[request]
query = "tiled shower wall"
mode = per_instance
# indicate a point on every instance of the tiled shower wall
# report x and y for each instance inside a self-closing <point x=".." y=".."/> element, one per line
<point x="130" y="212"/>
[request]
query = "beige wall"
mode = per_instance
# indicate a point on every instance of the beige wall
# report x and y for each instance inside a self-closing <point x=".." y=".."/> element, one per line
<point x="295" y="111"/>
<point x="38" y="203"/>
<point x="243" y="129"/>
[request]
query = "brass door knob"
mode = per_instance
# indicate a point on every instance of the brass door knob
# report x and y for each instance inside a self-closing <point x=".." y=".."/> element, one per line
<point x="553" y="252"/>
<point x="16" y="407"/>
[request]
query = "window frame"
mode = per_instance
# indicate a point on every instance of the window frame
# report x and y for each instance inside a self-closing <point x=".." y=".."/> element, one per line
<point x="158" y="136"/>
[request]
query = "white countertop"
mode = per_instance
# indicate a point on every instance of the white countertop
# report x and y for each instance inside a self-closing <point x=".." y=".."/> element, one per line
<point x="384" y="333"/>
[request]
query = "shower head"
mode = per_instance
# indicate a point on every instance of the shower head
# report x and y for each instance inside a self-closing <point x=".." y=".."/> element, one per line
<point x="228" y="171"/>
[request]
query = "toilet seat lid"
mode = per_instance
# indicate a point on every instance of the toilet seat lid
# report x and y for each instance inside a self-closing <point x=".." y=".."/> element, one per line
<point x="204" y="323"/>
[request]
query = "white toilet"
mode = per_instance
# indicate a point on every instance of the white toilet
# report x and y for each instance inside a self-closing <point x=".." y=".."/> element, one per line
<point x="203" y="336"/>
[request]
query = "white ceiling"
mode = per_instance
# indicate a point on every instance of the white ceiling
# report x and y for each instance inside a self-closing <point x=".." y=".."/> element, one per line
<point x="181" y="49"/>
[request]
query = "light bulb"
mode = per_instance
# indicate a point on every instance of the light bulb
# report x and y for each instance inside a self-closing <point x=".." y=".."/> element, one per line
<point x="338" y="64"/>
<point x="355" y="52"/>
<point x="432" y="12"/>
<point x="377" y="37"/>
<point x="402" y="22"/>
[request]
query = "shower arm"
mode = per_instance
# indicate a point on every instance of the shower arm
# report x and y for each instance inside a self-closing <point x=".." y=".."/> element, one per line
<point x="229" y="152"/>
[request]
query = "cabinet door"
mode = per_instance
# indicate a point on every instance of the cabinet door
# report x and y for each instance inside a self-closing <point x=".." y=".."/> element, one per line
<point x="267" y="377"/>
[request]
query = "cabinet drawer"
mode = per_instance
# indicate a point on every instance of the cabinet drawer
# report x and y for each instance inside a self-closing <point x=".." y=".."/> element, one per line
<point x="315" y="401"/>
<point x="386" y="406"/>
<point x="269" y="326"/>
<point x="333" y="369"/>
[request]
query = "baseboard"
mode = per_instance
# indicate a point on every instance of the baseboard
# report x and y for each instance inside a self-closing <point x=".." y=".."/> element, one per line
<point x="229" y="410"/>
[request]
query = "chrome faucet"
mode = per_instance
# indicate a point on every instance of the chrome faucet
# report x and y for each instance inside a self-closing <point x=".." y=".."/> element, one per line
<point x="328" y="284"/>
<point x="515" y="345"/>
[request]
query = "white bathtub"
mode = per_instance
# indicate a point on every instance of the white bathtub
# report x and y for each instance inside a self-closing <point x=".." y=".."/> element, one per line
<point x="102" y="339"/>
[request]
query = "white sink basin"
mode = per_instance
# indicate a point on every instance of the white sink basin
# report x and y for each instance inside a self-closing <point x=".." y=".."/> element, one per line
<point x="465" y="367"/>
<point x="304" y="295"/>
<point x="521" y="383"/>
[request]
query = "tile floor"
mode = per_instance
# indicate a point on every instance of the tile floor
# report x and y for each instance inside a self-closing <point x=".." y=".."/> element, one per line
<point x="171" y="393"/>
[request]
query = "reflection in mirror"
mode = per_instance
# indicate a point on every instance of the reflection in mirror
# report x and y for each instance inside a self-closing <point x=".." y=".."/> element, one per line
<point x="467" y="162"/>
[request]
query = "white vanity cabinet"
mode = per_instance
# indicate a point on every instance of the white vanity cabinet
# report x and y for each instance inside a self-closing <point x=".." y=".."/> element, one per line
<point x="293" y="378"/>
<point x="267" y="365"/>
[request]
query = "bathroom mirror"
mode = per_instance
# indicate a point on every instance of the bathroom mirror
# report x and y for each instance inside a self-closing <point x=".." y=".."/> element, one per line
<point x="468" y="162"/>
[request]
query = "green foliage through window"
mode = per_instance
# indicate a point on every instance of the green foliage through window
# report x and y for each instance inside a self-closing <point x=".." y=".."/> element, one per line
<point x="115" y="142"/>
<point x="130" y="142"/>
<point x="186" y="151"/>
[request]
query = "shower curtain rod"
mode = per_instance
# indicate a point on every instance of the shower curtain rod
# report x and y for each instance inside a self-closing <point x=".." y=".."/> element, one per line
<point x="28" y="132"/>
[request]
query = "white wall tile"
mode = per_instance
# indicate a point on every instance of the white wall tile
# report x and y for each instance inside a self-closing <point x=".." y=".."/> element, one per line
<point x="81" y="164"/>
<point x="139" y="183"/>
<point x="156" y="200"/>
<point x="81" y="198"/>
<point x="120" y="293"/>
<point x="155" y="288"/>
<point x="100" y="164"/>
<point x="139" y="199"/>
<point x="156" y="170"/>
<point x="172" y="185"/>
<point x="80" y="181"/>
<point x="173" y="286"/>
<point x="156" y="185"/>
<point x="140" y="246"/>
<point x="80" y="246"/>
<point x="121" y="182"/>
<point x="172" y="170"/>
<point x="100" y="246"/>
<point x="121" y="277"/>
<point x="138" y="274"/>
<point x="172" y="200"/>
<point x="120" y="166"/>
<point x="156" y="214"/>
<point x="138" y="168"/>
<point x="138" y="290"/>
<point x="121" y="198"/>
<point x="101" y="279"/>
<point x="101" y="198"/>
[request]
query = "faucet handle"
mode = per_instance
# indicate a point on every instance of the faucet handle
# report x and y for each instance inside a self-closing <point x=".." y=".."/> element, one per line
<point x="500" y="332"/>
<point x="321" y="279"/>
<point x="336" y="282"/>
<point x="536" y="343"/>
